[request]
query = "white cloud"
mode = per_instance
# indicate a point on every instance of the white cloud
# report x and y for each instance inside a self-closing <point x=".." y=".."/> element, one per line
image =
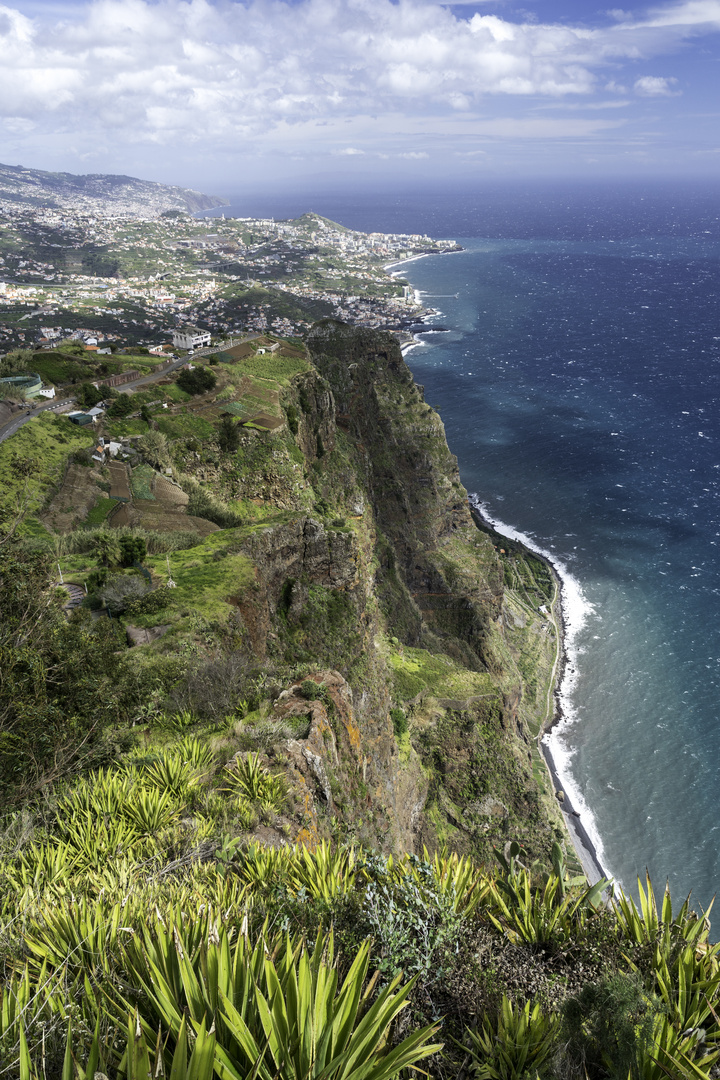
<point x="655" y="86"/>
<point x="189" y="72"/>
<point x="687" y="14"/>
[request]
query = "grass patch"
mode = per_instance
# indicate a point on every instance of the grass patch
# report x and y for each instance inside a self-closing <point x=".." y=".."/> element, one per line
<point x="118" y="429"/>
<point x="55" y="369"/>
<point x="185" y="426"/>
<point x="257" y="512"/>
<point x="271" y="366"/>
<point x="129" y="361"/>
<point x="207" y="576"/>
<point x="100" y="511"/>
<point x="140" y="482"/>
<point x="33" y="460"/>
<point x="175" y="393"/>
<point x="235" y="408"/>
<point x="415" y="670"/>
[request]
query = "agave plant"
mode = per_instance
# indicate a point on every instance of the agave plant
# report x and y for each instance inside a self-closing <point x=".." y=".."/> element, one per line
<point x="104" y="792"/>
<point x="647" y="924"/>
<point x="516" y="1043"/>
<point x="325" y="872"/>
<point x="39" y="864"/>
<point x="275" y="1007"/>
<point x="456" y="879"/>
<point x="173" y="774"/>
<point x="195" y="751"/>
<point x="260" y="868"/>
<point x="151" y="810"/>
<point x="539" y="914"/>
<point x="140" y="1061"/>
<point x="251" y="779"/>
<point x="77" y="935"/>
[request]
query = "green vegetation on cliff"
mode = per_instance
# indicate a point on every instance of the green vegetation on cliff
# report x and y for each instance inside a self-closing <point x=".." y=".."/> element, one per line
<point x="302" y="748"/>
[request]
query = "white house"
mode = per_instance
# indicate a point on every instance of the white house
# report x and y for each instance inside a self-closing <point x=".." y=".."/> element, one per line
<point x="47" y="392"/>
<point x="190" y="337"/>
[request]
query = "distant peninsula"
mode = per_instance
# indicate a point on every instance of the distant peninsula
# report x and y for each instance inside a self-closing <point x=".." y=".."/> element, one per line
<point x="124" y="262"/>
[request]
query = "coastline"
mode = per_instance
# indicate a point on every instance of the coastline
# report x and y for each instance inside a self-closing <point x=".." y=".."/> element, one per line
<point x="412" y="258"/>
<point x="583" y="844"/>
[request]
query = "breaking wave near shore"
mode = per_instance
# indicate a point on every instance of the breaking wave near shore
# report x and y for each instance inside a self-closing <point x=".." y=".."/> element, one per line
<point x="576" y="610"/>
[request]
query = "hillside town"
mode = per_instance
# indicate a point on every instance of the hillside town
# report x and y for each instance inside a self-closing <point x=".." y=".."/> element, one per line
<point x="129" y="273"/>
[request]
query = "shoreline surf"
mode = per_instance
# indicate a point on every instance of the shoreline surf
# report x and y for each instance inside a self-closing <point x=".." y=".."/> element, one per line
<point x="571" y="611"/>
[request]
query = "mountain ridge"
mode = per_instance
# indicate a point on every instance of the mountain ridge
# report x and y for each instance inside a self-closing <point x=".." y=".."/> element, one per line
<point x="99" y="191"/>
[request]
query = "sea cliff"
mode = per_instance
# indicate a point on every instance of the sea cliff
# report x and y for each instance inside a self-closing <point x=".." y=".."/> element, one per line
<point x="302" y="747"/>
<point x="304" y="743"/>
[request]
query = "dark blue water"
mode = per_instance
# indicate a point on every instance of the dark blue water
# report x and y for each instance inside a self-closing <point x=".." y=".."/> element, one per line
<point x="580" y="389"/>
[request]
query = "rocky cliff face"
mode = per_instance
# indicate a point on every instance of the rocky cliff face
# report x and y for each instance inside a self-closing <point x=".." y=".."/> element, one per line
<point x="386" y="596"/>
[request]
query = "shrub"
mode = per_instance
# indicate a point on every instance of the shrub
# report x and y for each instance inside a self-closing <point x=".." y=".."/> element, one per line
<point x="608" y="1025"/>
<point x="292" y="418"/>
<point x="150" y="602"/>
<point x="228" y="435"/>
<point x="399" y="722"/>
<point x="121" y="406"/>
<point x="197" y="381"/>
<point x="206" y="505"/>
<point x="312" y="691"/>
<point x="414" y="922"/>
<point x="212" y="688"/>
<point x="120" y="589"/>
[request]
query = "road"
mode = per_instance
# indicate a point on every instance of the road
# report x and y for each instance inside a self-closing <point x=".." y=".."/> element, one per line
<point x="16" y="422"/>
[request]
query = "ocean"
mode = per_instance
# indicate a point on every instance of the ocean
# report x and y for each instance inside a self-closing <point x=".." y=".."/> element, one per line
<point x="575" y="361"/>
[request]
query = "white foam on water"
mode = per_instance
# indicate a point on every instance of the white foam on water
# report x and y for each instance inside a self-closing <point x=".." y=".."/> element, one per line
<point x="576" y="610"/>
<point x="404" y="262"/>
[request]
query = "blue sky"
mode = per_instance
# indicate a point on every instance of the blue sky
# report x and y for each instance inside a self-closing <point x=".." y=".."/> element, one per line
<point x="231" y="96"/>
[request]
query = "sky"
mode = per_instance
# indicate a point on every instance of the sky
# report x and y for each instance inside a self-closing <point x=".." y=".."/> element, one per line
<point x="265" y="94"/>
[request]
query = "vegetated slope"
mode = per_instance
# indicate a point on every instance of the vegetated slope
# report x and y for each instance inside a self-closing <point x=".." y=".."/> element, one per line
<point x="329" y="697"/>
<point x="19" y="184"/>
<point x="347" y="555"/>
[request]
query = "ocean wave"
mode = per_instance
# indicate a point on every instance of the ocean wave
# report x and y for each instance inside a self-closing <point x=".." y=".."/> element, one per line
<point x="576" y="611"/>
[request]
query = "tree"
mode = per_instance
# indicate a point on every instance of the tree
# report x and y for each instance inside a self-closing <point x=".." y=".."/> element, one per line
<point x="228" y="435"/>
<point x="196" y="381"/>
<point x="122" y="406"/>
<point x="154" y="449"/>
<point x="88" y="395"/>
<point x="133" y="549"/>
<point x="106" y="548"/>
<point x="15" y="362"/>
